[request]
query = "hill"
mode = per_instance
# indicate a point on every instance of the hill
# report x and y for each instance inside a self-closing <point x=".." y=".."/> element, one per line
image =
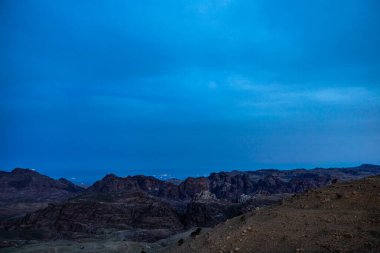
<point x="343" y="217"/>
<point x="26" y="190"/>
<point x="146" y="209"/>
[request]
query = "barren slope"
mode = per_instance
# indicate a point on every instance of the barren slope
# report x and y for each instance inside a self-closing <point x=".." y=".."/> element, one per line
<point x="343" y="217"/>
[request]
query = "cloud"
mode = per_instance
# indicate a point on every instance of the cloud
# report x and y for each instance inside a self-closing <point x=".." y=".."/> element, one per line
<point x="185" y="85"/>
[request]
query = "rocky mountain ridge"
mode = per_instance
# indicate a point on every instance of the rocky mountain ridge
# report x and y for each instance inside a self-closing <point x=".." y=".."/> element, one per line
<point x="231" y="185"/>
<point x="144" y="208"/>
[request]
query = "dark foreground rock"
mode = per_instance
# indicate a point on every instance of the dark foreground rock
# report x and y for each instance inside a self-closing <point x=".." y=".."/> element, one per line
<point x="102" y="214"/>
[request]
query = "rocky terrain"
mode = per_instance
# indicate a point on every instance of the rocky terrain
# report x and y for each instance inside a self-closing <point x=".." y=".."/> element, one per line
<point x="139" y="215"/>
<point x="343" y="217"/>
<point x="146" y="209"/>
<point x="231" y="186"/>
<point x="25" y="190"/>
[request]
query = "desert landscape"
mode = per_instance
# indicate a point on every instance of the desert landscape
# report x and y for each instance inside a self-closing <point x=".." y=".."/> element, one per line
<point x="250" y="211"/>
<point x="202" y="126"/>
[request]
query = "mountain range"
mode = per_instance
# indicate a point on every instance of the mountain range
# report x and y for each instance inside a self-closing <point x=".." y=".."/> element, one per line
<point x="144" y="208"/>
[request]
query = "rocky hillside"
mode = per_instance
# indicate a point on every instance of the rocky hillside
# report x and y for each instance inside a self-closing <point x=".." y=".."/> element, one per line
<point x="342" y="217"/>
<point x="150" y="185"/>
<point x="23" y="185"/>
<point x="23" y="190"/>
<point x="141" y="217"/>
<point x="232" y="186"/>
<point x="143" y="208"/>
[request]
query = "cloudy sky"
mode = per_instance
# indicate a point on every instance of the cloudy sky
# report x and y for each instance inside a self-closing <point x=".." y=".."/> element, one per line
<point x="188" y="87"/>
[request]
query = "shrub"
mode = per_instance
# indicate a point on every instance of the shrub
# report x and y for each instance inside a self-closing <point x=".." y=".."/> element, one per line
<point x="196" y="232"/>
<point x="180" y="242"/>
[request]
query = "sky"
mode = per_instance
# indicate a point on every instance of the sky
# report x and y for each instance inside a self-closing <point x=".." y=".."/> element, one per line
<point x="180" y="88"/>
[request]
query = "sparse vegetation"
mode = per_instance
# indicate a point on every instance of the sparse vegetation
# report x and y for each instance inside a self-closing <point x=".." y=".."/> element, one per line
<point x="196" y="232"/>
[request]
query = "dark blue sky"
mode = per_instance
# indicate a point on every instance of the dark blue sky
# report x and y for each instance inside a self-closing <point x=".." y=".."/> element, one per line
<point x="188" y="87"/>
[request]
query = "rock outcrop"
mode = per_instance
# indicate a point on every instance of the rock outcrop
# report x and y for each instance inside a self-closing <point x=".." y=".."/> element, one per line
<point x="210" y="213"/>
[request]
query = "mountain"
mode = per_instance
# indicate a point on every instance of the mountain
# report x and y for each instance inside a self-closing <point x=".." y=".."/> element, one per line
<point x="23" y="185"/>
<point x="23" y="190"/>
<point x="148" y="184"/>
<point x="144" y="208"/>
<point x="343" y="217"/>
<point x="231" y="186"/>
